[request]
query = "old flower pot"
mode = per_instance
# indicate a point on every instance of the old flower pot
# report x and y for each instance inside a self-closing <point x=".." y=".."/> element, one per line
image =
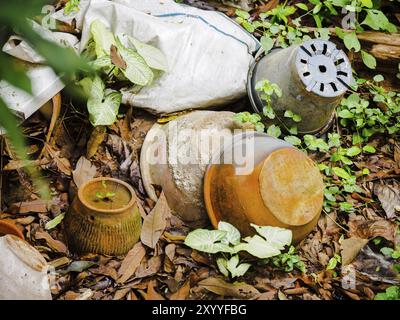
<point x="103" y="218"/>
<point x="175" y="156"/>
<point x="313" y="77"/>
<point x="284" y="189"/>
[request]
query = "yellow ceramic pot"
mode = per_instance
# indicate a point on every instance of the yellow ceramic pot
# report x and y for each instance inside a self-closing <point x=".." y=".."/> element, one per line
<point x="285" y="189"/>
<point x="103" y="218"/>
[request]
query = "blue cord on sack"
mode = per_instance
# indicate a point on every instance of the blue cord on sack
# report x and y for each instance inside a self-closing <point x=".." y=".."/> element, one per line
<point x="206" y="22"/>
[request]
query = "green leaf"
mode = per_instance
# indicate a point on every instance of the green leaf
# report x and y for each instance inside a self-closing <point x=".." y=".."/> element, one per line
<point x="14" y="73"/>
<point x="153" y="56"/>
<point x="243" y="14"/>
<point x="232" y="234"/>
<point x="267" y="43"/>
<point x="334" y="140"/>
<point x="102" y="37"/>
<point x="339" y="32"/>
<point x="346" y="206"/>
<point x="55" y="222"/>
<point x="341" y="173"/>
<point x="351" y="41"/>
<point x="378" y="78"/>
<point x="275" y="236"/>
<point x="9" y="122"/>
<point x="387" y="251"/>
<point x="102" y="104"/>
<point x="222" y="264"/>
<point x="332" y="264"/>
<point x="302" y="6"/>
<point x="274" y="131"/>
<point x="346" y="114"/>
<point x="357" y="139"/>
<point x="391" y="293"/>
<point x="317" y="20"/>
<point x="207" y="241"/>
<point x="103" y="62"/>
<point x="377" y="20"/>
<point x="248" y="26"/>
<point x="258" y="247"/>
<point x="365" y="171"/>
<point x="71" y="6"/>
<point x="293" y="140"/>
<point x="368" y="59"/>
<point x="353" y="151"/>
<point x="137" y="71"/>
<point x="367" y="3"/>
<point x="236" y="269"/>
<point x="293" y="130"/>
<point x="369" y="149"/>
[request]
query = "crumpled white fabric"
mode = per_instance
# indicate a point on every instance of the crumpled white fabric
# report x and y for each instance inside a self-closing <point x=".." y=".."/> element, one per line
<point x="208" y="54"/>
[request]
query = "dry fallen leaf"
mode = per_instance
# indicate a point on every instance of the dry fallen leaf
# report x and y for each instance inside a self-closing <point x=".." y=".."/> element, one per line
<point x="350" y="249"/>
<point x="62" y="163"/>
<point x="397" y="157"/>
<point x="52" y="243"/>
<point x="105" y="270"/>
<point x="37" y="206"/>
<point x="131" y="262"/>
<point x="83" y="172"/>
<point x="389" y="198"/>
<point x="170" y="251"/>
<point x="116" y="58"/>
<point x="222" y="288"/>
<point x="368" y="229"/>
<point x="96" y="138"/>
<point x="121" y="293"/>
<point x="19" y="164"/>
<point x="152" y="294"/>
<point x="182" y="293"/>
<point x="149" y="268"/>
<point x="155" y="223"/>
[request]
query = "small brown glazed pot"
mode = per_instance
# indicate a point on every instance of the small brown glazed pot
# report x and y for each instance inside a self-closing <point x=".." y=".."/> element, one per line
<point x="284" y="190"/>
<point x="9" y="227"/>
<point x="99" y="223"/>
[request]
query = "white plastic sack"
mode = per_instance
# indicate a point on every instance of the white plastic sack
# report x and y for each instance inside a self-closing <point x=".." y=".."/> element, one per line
<point x="208" y="54"/>
<point x="45" y="83"/>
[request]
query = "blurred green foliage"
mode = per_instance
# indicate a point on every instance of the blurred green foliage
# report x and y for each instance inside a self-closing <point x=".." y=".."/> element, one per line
<point x="14" y="18"/>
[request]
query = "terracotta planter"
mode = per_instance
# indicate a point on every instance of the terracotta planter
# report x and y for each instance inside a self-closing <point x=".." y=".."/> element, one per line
<point x="9" y="227"/>
<point x="285" y="189"/>
<point x="107" y="226"/>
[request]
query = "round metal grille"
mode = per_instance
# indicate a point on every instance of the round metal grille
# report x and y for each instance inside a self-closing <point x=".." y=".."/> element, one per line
<point x="324" y="70"/>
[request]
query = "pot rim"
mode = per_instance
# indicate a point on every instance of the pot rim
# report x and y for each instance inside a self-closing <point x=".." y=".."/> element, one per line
<point x="131" y="202"/>
<point x="11" y="225"/>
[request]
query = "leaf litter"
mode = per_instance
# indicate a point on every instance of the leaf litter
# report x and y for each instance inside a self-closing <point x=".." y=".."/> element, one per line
<point x="160" y="266"/>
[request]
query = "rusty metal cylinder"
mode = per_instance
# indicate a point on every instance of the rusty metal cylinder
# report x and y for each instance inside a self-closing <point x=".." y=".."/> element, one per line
<point x="313" y="77"/>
